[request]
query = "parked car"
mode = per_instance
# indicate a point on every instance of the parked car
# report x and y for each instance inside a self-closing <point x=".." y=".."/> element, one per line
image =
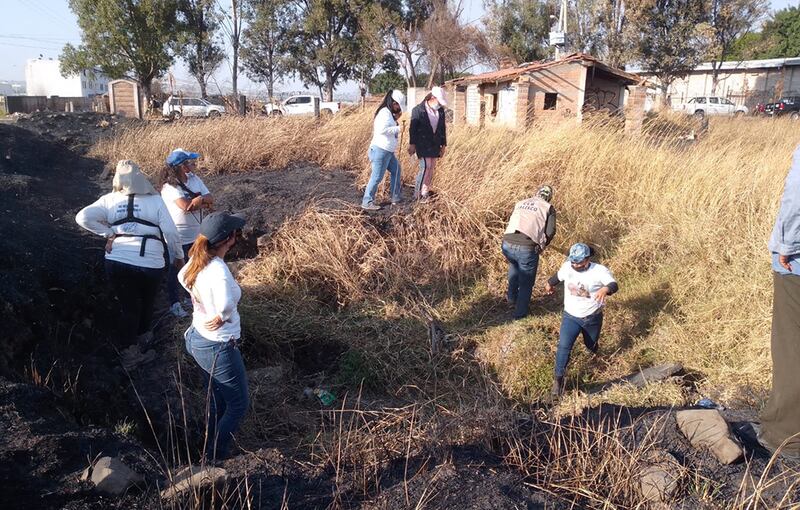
<point x="789" y="105"/>
<point x="710" y="105"/>
<point x="301" y="105"/>
<point x="177" y="107"/>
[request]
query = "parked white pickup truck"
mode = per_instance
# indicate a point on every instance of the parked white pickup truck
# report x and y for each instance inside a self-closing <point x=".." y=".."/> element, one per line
<point x="301" y="105"/>
<point x="710" y="105"/>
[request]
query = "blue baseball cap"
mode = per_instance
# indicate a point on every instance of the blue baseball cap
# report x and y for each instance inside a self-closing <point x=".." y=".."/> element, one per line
<point x="579" y="252"/>
<point x="219" y="226"/>
<point x="179" y="156"/>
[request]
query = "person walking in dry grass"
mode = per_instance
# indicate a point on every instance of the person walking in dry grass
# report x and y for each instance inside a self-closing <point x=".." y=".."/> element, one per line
<point x="428" y="139"/>
<point x="187" y="199"/>
<point x="780" y="419"/>
<point x="382" y="148"/>
<point x="140" y="240"/>
<point x="213" y="338"/>
<point x="530" y="229"/>
<point x="586" y="287"/>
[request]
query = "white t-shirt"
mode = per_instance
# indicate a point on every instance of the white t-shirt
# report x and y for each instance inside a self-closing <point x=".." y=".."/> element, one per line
<point x="109" y="208"/>
<point x="580" y="288"/>
<point x="215" y="292"/>
<point x="385" y="131"/>
<point x="188" y="223"/>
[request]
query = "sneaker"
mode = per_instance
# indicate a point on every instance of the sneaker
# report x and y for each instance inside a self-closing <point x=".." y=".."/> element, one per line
<point x="177" y="310"/>
<point x="371" y="207"/>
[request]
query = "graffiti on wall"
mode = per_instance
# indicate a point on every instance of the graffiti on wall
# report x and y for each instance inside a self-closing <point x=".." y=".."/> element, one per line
<point x="600" y="99"/>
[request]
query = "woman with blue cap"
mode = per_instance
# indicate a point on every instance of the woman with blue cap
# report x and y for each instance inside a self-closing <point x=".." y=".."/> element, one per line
<point x="385" y="134"/>
<point x="214" y="336"/>
<point x="187" y="199"/>
<point x="587" y="285"/>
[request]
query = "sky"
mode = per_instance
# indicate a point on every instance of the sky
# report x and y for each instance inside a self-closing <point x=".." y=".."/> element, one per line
<point x="29" y="28"/>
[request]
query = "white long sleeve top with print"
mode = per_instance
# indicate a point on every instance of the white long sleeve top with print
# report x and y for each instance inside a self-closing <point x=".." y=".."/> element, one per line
<point x="215" y="293"/>
<point x="385" y="131"/>
<point x="99" y="216"/>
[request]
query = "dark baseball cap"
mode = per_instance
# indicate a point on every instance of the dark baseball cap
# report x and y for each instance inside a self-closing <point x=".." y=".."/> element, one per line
<point x="219" y="225"/>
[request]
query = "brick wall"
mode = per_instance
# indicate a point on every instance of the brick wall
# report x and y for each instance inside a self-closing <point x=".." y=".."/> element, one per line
<point x="568" y="81"/>
<point x="459" y="95"/>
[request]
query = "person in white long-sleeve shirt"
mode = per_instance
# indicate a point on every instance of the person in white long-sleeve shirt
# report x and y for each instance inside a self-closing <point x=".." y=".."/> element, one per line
<point x="382" y="148"/>
<point x="213" y="339"/>
<point x="141" y="239"/>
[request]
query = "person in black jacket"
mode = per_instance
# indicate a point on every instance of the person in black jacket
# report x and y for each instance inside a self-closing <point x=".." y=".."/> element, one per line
<point x="428" y="138"/>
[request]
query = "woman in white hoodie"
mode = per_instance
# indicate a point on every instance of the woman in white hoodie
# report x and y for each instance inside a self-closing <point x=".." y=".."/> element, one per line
<point x="141" y="238"/>
<point x="385" y="134"/>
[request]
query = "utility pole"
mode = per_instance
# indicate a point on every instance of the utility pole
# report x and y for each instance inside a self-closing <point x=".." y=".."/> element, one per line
<point x="558" y="33"/>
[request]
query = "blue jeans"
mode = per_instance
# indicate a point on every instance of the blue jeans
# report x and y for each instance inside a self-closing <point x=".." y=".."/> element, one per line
<point x="229" y="398"/>
<point x="571" y="327"/>
<point x="381" y="161"/>
<point x="174" y="289"/>
<point x="523" y="261"/>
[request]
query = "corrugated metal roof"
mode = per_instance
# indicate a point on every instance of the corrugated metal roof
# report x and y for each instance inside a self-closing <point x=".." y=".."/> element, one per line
<point x="512" y="73"/>
<point x="771" y="63"/>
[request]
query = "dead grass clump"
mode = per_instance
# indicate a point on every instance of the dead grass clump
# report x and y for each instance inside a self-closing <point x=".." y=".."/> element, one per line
<point x="592" y="464"/>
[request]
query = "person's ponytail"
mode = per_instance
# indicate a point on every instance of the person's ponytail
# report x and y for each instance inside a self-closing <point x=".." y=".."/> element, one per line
<point x="200" y="254"/>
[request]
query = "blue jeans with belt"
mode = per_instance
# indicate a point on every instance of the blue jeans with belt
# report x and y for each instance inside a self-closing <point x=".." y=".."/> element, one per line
<point x="224" y="369"/>
<point x="571" y="327"/>
<point x="523" y="261"/>
<point x="382" y="160"/>
<point x="174" y="289"/>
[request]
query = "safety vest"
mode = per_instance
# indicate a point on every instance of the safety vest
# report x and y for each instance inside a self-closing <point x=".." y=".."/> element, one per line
<point x="530" y="218"/>
<point x="130" y="218"/>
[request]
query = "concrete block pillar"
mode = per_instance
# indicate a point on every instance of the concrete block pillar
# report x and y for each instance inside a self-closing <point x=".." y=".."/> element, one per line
<point x="634" y="110"/>
<point x="524" y="110"/>
<point x="474" y="114"/>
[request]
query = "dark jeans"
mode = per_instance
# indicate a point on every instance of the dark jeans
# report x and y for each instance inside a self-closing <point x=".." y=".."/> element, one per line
<point x="523" y="261"/>
<point x="224" y="368"/>
<point x="174" y="289"/>
<point x="571" y="327"/>
<point x="136" y="288"/>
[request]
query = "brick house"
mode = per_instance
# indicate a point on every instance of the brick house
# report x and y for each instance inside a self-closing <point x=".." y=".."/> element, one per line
<point x="515" y="97"/>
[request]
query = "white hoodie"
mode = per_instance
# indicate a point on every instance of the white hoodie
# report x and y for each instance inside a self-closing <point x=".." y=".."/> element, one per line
<point x="385" y="131"/>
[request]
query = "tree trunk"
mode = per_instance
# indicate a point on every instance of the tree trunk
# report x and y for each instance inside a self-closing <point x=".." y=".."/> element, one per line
<point x="328" y="87"/>
<point x="147" y="91"/>
<point x="270" y="89"/>
<point x="235" y="46"/>
<point x="203" y="91"/>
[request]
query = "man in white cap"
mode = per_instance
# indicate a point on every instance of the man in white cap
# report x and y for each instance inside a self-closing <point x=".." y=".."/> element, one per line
<point x="382" y="148"/>
<point x="428" y="138"/>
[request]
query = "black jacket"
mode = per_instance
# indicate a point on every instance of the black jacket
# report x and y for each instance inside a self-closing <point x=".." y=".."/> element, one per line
<point x="428" y="142"/>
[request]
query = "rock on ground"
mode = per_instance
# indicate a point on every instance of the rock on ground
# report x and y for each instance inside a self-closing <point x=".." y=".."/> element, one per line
<point x="706" y="428"/>
<point x="112" y="476"/>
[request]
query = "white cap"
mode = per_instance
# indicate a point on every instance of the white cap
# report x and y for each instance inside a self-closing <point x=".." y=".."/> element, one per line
<point x="399" y="98"/>
<point x="438" y="93"/>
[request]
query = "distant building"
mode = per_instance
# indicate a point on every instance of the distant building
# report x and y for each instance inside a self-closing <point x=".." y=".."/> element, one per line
<point x="8" y="88"/>
<point x="517" y="96"/>
<point x="746" y="82"/>
<point x="43" y="78"/>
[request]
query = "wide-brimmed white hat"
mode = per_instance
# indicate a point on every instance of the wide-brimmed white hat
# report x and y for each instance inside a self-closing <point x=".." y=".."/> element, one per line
<point x="438" y="93"/>
<point x="129" y="179"/>
<point x="399" y="98"/>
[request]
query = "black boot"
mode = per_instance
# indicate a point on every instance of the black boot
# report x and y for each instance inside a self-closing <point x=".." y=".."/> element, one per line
<point x="558" y="388"/>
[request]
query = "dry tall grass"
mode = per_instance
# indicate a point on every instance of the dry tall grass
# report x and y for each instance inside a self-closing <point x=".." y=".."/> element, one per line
<point x="682" y="225"/>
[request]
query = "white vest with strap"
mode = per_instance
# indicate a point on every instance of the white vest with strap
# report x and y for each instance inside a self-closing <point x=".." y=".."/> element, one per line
<point x="530" y="218"/>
